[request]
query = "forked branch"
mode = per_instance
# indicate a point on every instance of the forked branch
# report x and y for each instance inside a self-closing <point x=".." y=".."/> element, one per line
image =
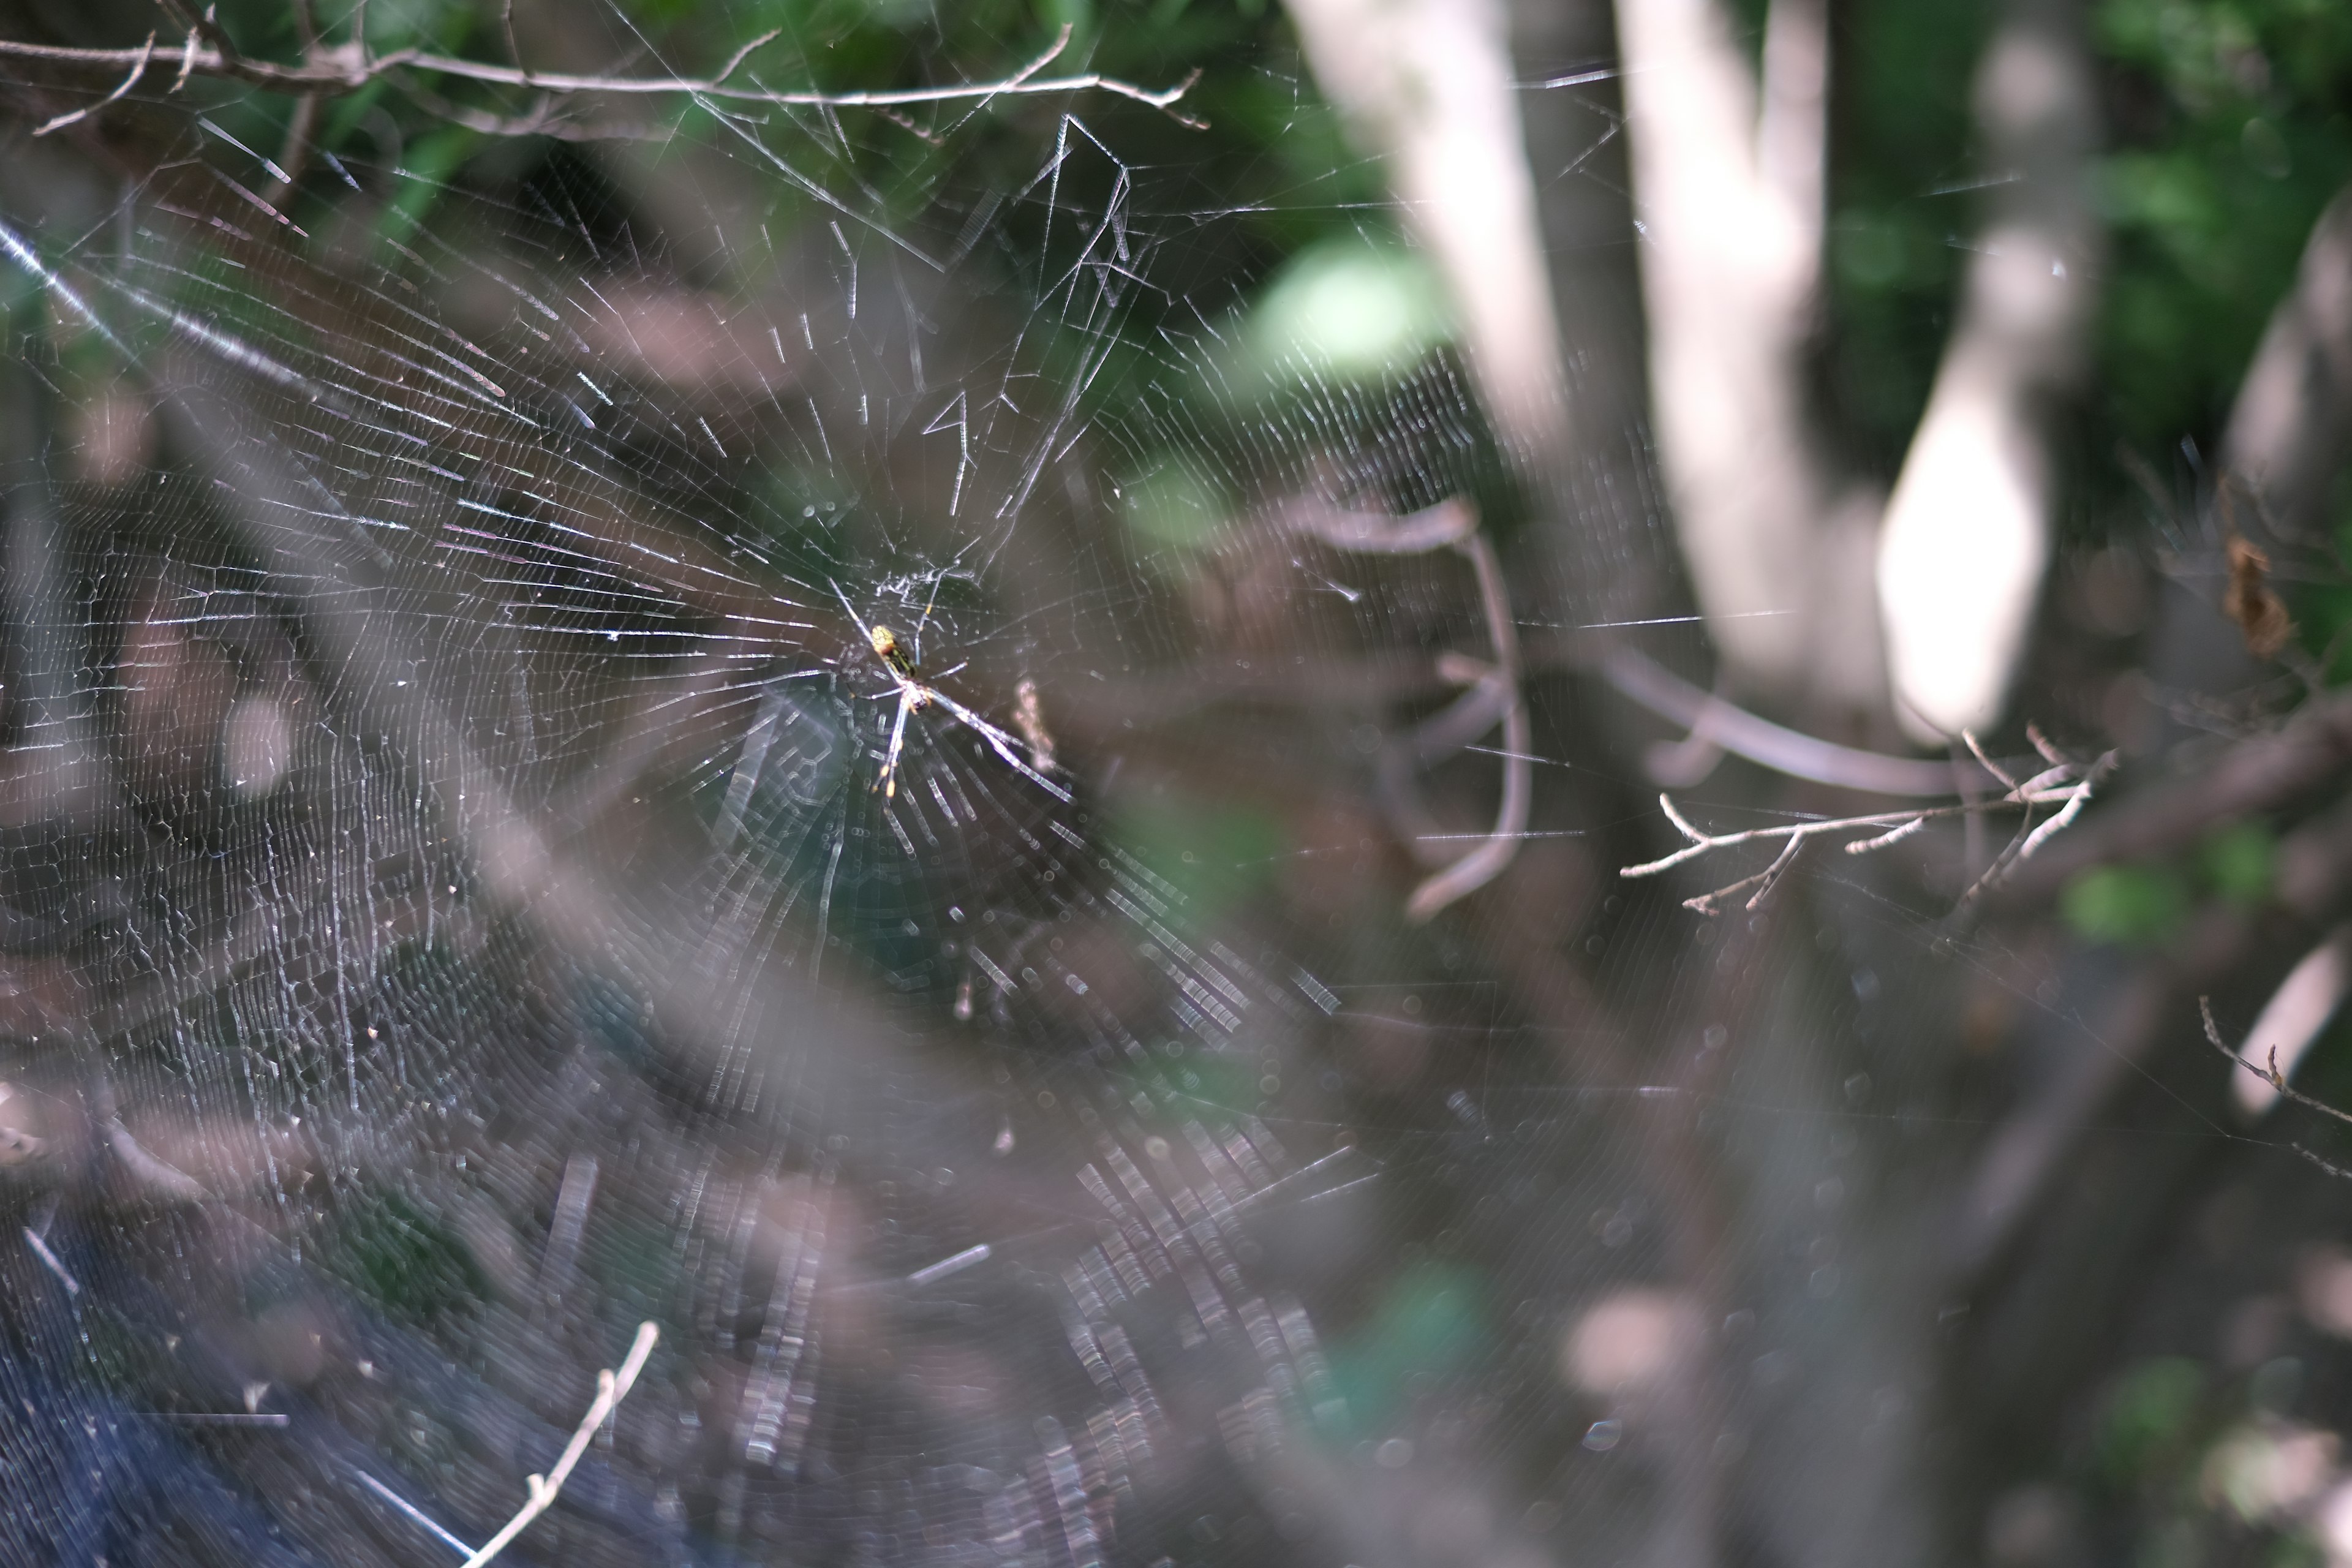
<point x="2065" y="784"/>
<point x="1493" y="695"/>
<point x="2270" y="1074"/>
<point x="611" y="1389"/>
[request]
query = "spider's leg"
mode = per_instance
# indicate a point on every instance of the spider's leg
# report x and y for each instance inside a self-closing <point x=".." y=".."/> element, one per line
<point x="999" y="741"/>
<point x="889" y="779"/>
<point x="855" y="618"/>
<point x="745" y="778"/>
<point x="926" y="621"/>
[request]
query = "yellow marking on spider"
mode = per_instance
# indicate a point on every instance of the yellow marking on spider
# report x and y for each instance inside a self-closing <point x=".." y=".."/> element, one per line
<point x="893" y="657"/>
<point x="914" y="695"/>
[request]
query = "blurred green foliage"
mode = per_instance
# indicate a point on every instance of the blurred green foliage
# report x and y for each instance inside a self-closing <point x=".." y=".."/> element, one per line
<point x="2136" y="905"/>
<point x="400" y="1258"/>
<point x="2323" y="607"/>
<point x="1431" y="1321"/>
<point x="2240" y="861"/>
<point x="2151" y="1419"/>
<point x="1211" y="857"/>
<point x="2230" y="133"/>
<point x="1900" y="212"/>
<point x="2229" y="126"/>
<point x="2127" y="905"/>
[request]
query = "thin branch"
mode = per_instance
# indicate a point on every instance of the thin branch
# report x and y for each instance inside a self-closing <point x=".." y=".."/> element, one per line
<point x="346" y="68"/>
<point x="2030" y="838"/>
<point x="207" y="28"/>
<point x="734" y="61"/>
<point x="611" y="1389"/>
<point x="1485" y="863"/>
<point x="546" y="118"/>
<point x="2270" y="1075"/>
<point x="2260" y="772"/>
<point x="1990" y="766"/>
<point x="1493" y="689"/>
<point x="1637" y="676"/>
<point x="2068" y="786"/>
<point x="2332" y="1170"/>
<point x="145" y="52"/>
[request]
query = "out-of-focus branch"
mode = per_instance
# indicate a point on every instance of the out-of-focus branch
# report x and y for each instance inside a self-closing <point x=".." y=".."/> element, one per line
<point x="2312" y="749"/>
<point x="346" y="68"/>
<point x="2291" y="424"/>
<point x="1966" y="533"/>
<point x="1784" y="751"/>
<point x="1793" y="129"/>
<point x="1427" y="83"/>
<point x="2220" y="948"/>
<point x="1493" y="696"/>
<point x="611" y="1389"/>
<point x="1730" y="226"/>
<point x="2065" y="784"/>
<point x="144" y="53"/>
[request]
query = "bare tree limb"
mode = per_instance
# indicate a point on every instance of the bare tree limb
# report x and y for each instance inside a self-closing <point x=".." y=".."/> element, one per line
<point x="1730" y="264"/>
<point x="346" y="68"/>
<point x="1967" y="535"/>
<point x="1427" y="84"/>
<point x="2296" y="1015"/>
<point x="1637" y="676"/>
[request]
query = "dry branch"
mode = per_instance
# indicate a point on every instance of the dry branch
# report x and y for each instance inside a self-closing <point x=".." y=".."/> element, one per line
<point x="611" y="1389"/>
<point x="2309" y="751"/>
<point x="340" y="70"/>
<point x="2065" y="783"/>
<point x="2269" y="1073"/>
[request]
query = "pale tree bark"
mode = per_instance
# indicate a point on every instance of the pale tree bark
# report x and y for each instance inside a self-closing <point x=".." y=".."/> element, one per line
<point x="1730" y="182"/>
<point x="1730" y="185"/>
<point x="2291" y="428"/>
<point x="1966" y="536"/>
<point x="1727" y="274"/>
<point x="1427" y="85"/>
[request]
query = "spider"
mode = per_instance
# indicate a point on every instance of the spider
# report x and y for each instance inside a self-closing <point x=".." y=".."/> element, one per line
<point x="900" y="662"/>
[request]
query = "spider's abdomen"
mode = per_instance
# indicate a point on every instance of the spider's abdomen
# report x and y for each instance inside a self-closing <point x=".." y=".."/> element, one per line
<point x="887" y="649"/>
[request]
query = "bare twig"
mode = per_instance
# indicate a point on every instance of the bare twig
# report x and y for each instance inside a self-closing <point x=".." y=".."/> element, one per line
<point x="2259" y="774"/>
<point x="2271" y="1075"/>
<point x="611" y="1389"/>
<point x="346" y="68"/>
<point x="144" y="53"/>
<point x="2067" y="785"/>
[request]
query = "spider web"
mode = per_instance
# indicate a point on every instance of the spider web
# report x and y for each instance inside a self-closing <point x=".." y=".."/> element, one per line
<point x="458" y="916"/>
